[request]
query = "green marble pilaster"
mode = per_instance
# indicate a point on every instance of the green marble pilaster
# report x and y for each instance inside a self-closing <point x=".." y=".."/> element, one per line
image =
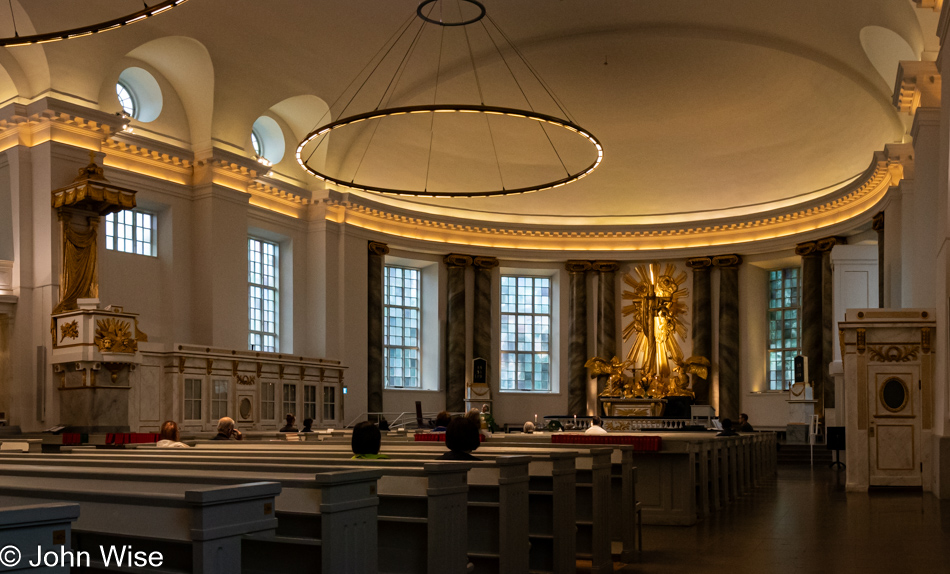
<point x="374" y="326"/>
<point x="701" y="319"/>
<point x="729" y="349"/>
<point x="577" y="337"/>
<point x="455" y="332"/>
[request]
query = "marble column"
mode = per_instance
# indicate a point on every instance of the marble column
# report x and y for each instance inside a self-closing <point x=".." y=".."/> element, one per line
<point x="827" y="398"/>
<point x="877" y="224"/>
<point x="374" y="326"/>
<point x="729" y="387"/>
<point x="701" y="320"/>
<point x="606" y="313"/>
<point x="455" y="332"/>
<point x="577" y="337"/>
<point x="810" y="318"/>
<point x="482" y="320"/>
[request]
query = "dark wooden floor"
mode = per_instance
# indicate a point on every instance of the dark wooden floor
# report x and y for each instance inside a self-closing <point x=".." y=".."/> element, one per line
<point x="804" y="522"/>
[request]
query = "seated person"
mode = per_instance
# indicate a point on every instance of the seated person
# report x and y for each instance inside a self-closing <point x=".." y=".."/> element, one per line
<point x="366" y="441"/>
<point x="727" y="428"/>
<point x="170" y="436"/>
<point x="442" y="421"/>
<point x="461" y="438"/>
<point x="596" y="427"/>
<point x="226" y="430"/>
<point x="490" y="423"/>
<point x="289" y="427"/>
<point x="528" y="427"/>
<point x="744" y="425"/>
<point x="307" y="424"/>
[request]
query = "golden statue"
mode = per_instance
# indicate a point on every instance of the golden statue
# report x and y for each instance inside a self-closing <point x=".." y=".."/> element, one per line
<point x="657" y="320"/>
<point x="618" y="384"/>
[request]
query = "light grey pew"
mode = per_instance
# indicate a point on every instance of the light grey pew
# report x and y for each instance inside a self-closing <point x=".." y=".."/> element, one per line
<point x="499" y="515"/>
<point x="33" y="530"/>
<point x="198" y="530"/>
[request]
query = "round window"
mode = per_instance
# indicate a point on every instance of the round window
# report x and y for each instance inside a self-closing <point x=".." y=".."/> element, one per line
<point x="894" y="394"/>
<point x="125" y="99"/>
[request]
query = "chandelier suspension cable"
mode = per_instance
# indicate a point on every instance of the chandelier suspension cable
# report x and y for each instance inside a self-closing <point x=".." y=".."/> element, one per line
<point x="393" y="82"/>
<point x="394" y="39"/>
<point x="537" y="76"/>
<point x="16" y="34"/>
<point x="521" y="88"/>
<point x="391" y="93"/>
<point x="481" y="100"/>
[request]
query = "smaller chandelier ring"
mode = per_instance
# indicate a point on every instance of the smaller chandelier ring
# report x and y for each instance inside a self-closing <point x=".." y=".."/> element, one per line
<point x="476" y="3"/>
<point x="430" y="109"/>
<point x="80" y="32"/>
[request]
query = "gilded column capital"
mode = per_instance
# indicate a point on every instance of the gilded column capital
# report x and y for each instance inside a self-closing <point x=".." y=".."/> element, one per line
<point x="699" y="262"/>
<point x="877" y="224"/>
<point x="807" y="248"/>
<point x="485" y="262"/>
<point x="827" y="243"/>
<point x="577" y="266"/>
<point x="605" y="266"/>
<point x="457" y="260"/>
<point x="378" y="248"/>
<point x="732" y="260"/>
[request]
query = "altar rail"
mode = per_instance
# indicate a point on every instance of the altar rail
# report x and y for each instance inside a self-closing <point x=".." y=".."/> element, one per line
<point x="624" y="424"/>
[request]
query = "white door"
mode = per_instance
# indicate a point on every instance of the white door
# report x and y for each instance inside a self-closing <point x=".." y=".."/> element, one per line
<point x="894" y="425"/>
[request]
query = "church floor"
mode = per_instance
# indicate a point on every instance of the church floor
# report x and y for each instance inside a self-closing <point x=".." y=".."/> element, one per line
<point x="805" y="522"/>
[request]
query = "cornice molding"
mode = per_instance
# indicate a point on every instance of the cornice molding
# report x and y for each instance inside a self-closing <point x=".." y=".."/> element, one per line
<point x="918" y="85"/>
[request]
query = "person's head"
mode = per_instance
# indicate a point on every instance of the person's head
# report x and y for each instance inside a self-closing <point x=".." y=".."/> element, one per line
<point x="307" y="423"/>
<point x="597" y="422"/>
<point x="529" y="427"/>
<point x="170" y="431"/>
<point x="485" y="408"/>
<point x="225" y="425"/>
<point x="443" y="419"/>
<point x="366" y="438"/>
<point x="462" y="434"/>
<point x="743" y="418"/>
<point x="475" y="415"/>
<point x="726" y="424"/>
<point x="291" y="419"/>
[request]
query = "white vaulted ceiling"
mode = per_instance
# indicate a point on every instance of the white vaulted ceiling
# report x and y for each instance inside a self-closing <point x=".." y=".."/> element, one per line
<point x="705" y="109"/>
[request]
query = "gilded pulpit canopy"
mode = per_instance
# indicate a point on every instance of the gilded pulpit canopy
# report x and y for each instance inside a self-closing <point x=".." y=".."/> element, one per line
<point x="90" y="195"/>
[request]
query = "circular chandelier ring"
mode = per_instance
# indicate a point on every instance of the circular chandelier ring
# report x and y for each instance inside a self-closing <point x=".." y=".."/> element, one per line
<point x="92" y="28"/>
<point x="478" y="4"/>
<point x="431" y="109"/>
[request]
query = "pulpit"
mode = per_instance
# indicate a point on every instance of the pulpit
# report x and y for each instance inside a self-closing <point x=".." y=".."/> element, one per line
<point x="888" y="371"/>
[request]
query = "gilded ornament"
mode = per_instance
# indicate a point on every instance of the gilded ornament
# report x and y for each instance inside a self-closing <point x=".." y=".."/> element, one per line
<point x="893" y="354"/>
<point x="862" y="342"/>
<point x="69" y="331"/>
<point x="115" y="336"/>
<point x="245" y="379"/>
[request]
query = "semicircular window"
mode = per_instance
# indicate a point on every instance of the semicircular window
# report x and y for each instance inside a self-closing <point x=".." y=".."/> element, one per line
<point x="894" y="394"/>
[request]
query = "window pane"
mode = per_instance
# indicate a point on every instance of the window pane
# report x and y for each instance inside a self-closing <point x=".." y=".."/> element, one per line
<point x="402" y="327"/>
<point x="784" y="329"/>
<point x="263" y="296"/>
<point x="525" y="333"/>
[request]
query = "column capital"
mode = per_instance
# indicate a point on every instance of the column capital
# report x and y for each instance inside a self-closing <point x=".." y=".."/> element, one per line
<point x="457" y="260"/>
<point x="377" y="248"/>
<point x="699" y="262"/>
<point x="576" y="266"/>
<point x="485" y="262"/>
<point x="807" y="248"/>
<point x="827" y="243"/>
<point x="877" y="224"/>
<point x="605" y="266"/>
<point x="732" y="260"/>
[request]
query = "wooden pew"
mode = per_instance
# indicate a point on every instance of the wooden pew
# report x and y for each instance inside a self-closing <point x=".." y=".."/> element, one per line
<point x="26" y="529"/>
<point x="198" y="530"/>
<point x="502" y="546"/>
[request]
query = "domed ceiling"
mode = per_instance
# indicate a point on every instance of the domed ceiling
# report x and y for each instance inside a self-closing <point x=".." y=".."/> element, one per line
<point x="704" y="109"/>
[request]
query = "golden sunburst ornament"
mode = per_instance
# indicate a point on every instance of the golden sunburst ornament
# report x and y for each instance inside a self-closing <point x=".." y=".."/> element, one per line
<point x="657" y="320"/>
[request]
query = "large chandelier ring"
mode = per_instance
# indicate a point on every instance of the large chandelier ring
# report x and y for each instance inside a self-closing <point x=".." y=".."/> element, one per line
<point x="430" y="109"/>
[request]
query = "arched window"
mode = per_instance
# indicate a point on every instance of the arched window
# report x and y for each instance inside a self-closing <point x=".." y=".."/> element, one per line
<point x="126" y="99"/>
